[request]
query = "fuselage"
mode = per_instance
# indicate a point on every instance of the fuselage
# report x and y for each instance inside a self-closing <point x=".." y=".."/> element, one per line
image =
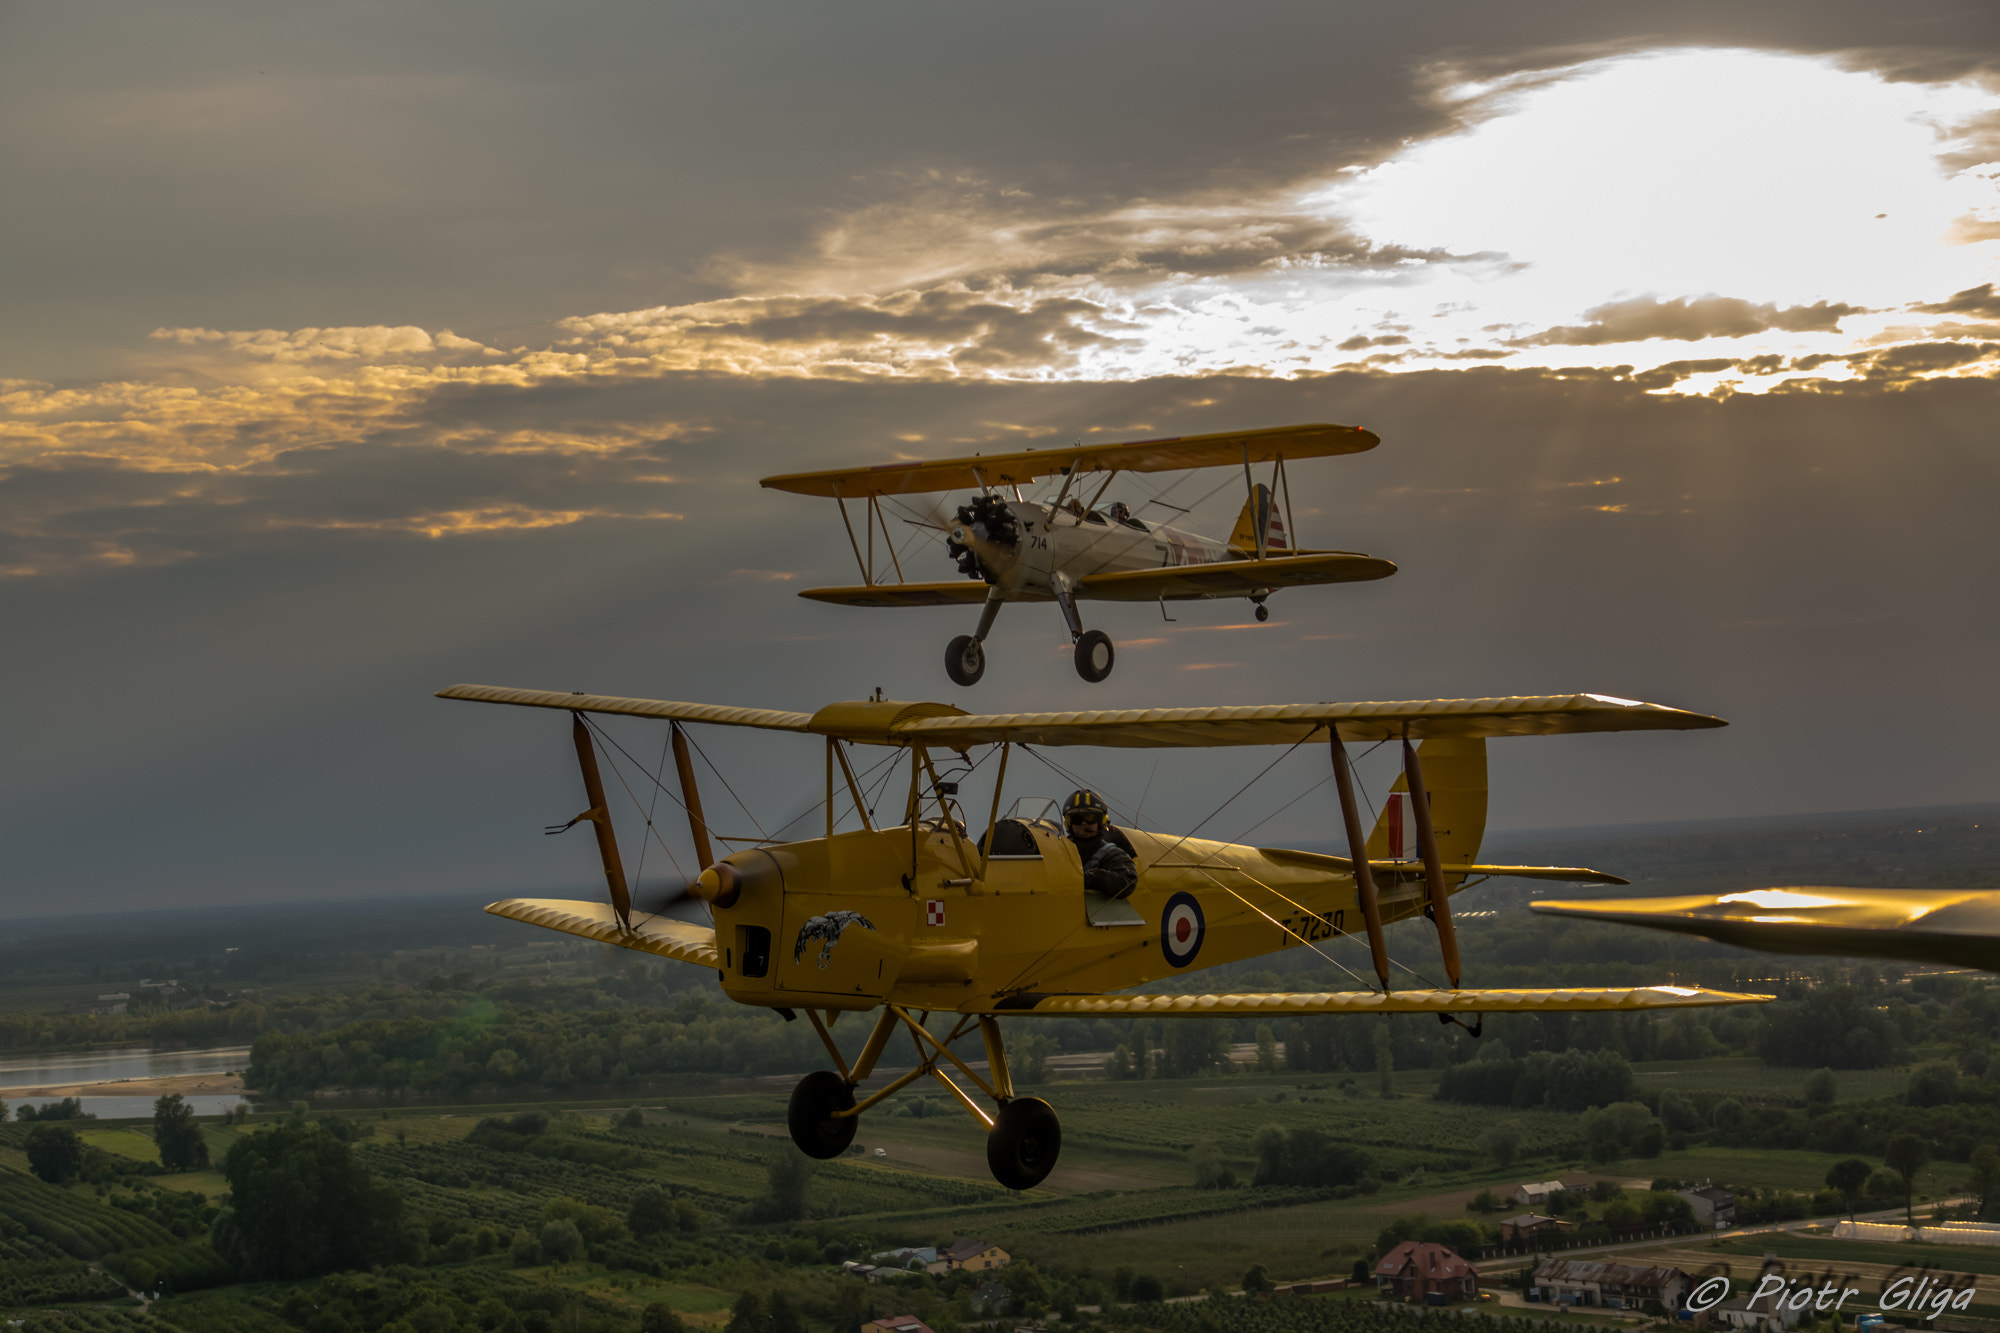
<point x="1050" y="543"/>
<point x="906" y="915"/>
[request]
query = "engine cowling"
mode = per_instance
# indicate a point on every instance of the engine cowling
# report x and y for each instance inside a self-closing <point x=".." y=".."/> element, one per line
<point x="987" y="533"/>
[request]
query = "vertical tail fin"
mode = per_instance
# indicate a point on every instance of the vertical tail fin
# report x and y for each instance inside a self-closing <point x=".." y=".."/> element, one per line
<point x="1455" y="776"/>
<point x="1259" y="514"/>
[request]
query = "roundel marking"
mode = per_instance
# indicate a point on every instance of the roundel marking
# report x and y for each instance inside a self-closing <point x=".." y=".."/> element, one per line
<point x="1181" y="928"/>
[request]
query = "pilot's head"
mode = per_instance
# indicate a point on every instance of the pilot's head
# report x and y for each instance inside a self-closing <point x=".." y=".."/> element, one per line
<point x="1085" y="814"/>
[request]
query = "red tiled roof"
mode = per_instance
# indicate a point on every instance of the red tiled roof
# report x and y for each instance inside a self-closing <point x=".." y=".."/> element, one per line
<point x="1426" y="1260"/>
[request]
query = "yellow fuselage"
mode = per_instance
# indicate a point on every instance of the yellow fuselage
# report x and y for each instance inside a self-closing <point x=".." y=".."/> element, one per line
<point x="850" y="921"/>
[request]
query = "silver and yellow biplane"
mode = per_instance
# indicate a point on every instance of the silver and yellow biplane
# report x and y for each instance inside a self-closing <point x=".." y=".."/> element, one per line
<point x="1068" y="550"/>
<point x="933" y="917"/>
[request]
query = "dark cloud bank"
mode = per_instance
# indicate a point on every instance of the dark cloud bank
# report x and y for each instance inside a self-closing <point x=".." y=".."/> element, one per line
<point x="253" y="720"/>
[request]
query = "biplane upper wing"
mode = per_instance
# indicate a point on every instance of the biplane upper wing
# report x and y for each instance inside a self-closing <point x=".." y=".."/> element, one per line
<point x="1232" y="448"/>
<point x="1234" y="577"/>
<point x="888" y="722"/>
<point x="1960" y="927"/>
<point x="771" y="719"/>
<point x="959" y="592"/>
<point x="1363" y="1002"/>
<point x="1285" y="724"/>
<point x="662" y="935"/>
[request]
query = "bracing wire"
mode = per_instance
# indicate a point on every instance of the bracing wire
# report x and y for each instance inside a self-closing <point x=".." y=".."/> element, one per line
<point x="726" y="787"/>
<point x="652" y="831"/>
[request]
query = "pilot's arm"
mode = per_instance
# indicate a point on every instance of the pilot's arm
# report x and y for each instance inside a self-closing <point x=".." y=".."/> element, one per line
<point x="1110" y="870"/>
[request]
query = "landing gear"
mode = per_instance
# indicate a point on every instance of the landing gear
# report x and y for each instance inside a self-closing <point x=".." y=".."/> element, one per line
<point x="1263" y="613"/>
<point x="1093" y="647"/>
<point x="965" y="660"/>
<point x="810" y="1116"/>
<point x="1023" y="1138"/>
<point x="1024" y="1143"/>
<point x="1094" y="655"/>
<point x="965" y="656"/>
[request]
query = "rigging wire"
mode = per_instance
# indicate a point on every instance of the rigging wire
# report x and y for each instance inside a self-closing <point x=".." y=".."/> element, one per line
<point x="639" y="871"/>
<point x="619" y="773"/>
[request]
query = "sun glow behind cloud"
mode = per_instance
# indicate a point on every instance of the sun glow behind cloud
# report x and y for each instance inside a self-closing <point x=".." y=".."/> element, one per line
<point x="1697" y="220"/>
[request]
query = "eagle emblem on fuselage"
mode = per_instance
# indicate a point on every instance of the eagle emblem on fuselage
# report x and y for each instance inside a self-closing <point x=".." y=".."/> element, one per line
<point x="827" y="930"/>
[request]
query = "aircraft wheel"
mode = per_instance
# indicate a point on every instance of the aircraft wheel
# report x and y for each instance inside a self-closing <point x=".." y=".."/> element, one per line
<point x="1024" y="1144"/>
<point x="810" y="1115"/>
<point x="1263" y="612"/>
<point x="965" y="660"/>
<point x="1094" y="655"/>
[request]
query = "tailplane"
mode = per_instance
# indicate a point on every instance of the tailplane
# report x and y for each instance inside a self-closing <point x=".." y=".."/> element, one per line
<point x="1259" y="514"/>
<point x="1455" y="777"/>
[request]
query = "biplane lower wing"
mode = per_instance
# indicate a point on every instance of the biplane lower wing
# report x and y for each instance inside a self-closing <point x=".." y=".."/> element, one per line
<point x="1233" y="578"/>
<point x="1960" y="927"/>
<point x="1364" y="1002"/>
<point x="1414" y="870"/>
<point x="660" y="935"/>
<point x="959" y="592"/>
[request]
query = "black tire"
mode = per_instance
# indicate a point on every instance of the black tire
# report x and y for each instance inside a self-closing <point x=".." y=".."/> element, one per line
<point x="965" y="660"/>
<point x="1263" y="612"/>
<point x="810" y="1115"/>
<point x="1024" y="1144"/>
<point x="1094" y="655"/>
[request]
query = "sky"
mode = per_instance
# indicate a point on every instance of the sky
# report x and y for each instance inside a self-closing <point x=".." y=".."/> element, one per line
<point x="350" y="351"/>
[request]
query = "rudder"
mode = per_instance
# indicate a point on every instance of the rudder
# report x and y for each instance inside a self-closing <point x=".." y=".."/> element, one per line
<point x="1259" y="511"/>
<point x="1455" y="777"/>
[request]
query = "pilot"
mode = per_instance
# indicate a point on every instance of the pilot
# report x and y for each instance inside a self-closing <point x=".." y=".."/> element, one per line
<point x="1107" y="853"/>
<point x="1120" y="512"/>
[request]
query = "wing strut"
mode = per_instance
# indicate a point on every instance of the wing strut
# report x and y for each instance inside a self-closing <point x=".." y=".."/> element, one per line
<point x="1427" y="843"/>
<point x="1357" y="846"/>
<point x="599" y="815"/>
<point x="691" y="798"/>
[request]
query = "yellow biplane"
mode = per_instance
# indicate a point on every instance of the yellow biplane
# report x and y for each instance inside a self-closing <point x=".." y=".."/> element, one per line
<point x="925" y="917"/>
<point x="1957" y="927"/>
<point x="1012" y="549"/>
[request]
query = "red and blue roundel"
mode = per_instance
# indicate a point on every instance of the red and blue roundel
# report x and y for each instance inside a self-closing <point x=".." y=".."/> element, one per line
<point x="1181" y="930"/>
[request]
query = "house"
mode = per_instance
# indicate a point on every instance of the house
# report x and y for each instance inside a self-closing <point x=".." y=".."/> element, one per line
<point x="1609" y="1286"/>
<point x="1416" y="1270"/>
<point x="1531" y="1228"/>
<point x="896" y="1323"/>
<point x="1528" y="1196"/>
<point x="973" y="1255"/>
<point x="1713" y="1207"/>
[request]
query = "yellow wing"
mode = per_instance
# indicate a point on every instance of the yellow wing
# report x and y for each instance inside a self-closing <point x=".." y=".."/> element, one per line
<point x="1284" y="724"/>
<point x="1960" y="927"/>
<point x="768" y="718"/>
<point x="595" y="921"/>
<point x="1402" y="871"/>
<point x="962" y="592"/>
<point x="893" y="722"/>
<point x="1365" y="1002"/>
<point x="1234" y="577"/>
<point x="1232" y="448"/>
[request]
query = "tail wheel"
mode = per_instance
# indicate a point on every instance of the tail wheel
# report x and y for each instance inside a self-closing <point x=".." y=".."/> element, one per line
<point x="810" y="1114"/>
<point x="1024" y="1144"/>
<point x="965" y="660"/>
<point x="1094" y="655"/>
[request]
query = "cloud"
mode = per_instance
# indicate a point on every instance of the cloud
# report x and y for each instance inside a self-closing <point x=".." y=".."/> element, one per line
<point x="1688" y="320"/>
<point x="370" y="343"/>
<point x="1980" y="300"/>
